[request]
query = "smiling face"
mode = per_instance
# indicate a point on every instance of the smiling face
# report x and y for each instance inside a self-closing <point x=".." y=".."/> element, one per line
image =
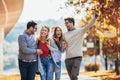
<point x="44" y="33"/>
<point x="69" y="23"/>
<point x="58" y="32"/>
<point x="33" y="29"/>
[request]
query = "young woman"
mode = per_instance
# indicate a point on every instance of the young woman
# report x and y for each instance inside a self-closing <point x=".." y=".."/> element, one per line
<point x="55" y="42"/>
<point x="45" y="57"/>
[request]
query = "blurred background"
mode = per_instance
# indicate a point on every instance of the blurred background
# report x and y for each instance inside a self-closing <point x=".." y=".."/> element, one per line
<point x="101" y="45"/>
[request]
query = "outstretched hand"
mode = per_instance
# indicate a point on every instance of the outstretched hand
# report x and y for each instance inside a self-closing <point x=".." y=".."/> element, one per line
<point x="96" y="13"/>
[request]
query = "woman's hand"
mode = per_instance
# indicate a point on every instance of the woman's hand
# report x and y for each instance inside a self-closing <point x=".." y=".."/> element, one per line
<point x="48" y="44"/>
<point x="96" y="13"/>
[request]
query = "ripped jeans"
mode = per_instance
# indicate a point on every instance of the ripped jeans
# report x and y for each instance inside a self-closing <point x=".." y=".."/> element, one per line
<point x="48" y="67"/>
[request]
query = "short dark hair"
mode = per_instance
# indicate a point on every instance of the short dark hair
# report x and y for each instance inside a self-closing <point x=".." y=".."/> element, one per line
<point x="31" y="24"/>
<point x="70" y="19"/>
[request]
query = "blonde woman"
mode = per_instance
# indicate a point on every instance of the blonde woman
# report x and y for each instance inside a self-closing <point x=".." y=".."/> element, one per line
<point x="45" y="57"/>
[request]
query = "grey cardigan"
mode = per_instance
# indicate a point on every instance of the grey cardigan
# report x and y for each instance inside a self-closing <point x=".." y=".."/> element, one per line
<point x="52" y="49"/>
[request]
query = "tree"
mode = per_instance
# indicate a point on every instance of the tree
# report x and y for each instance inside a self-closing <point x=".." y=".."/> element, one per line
<point x="107" y="27"/>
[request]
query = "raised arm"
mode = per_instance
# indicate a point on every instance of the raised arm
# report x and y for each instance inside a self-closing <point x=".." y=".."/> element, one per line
<point x="90" y="24"/>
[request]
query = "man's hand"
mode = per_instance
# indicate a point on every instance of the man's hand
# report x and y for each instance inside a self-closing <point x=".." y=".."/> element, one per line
<point x="96" y="13"/>
<point x="39" y="51"/>
<point x="63" y="44"/>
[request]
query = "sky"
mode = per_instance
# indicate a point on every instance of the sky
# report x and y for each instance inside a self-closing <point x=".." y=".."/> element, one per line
<point x="48" y="9"/>
<point x="41" y="10"/>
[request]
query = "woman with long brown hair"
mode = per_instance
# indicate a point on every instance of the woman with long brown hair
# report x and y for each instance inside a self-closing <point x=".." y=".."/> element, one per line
<point x="56" y="42"/>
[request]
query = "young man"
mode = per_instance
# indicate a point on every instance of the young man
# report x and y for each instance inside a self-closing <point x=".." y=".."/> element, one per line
<point x="74" y="39"/>
<point x="28" y="52"/>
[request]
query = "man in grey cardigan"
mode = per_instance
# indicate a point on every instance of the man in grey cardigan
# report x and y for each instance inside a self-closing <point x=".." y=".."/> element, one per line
<point x="74" y="39"/>
<point x="28" y="51"/>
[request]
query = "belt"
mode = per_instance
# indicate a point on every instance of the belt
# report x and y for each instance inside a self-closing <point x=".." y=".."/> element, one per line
<point x="32" y="60"/>
<point x="75" y="57"/>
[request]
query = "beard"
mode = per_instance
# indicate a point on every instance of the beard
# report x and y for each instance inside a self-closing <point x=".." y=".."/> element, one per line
<point x="69" y="29"/>
<point x="32" y="32"/>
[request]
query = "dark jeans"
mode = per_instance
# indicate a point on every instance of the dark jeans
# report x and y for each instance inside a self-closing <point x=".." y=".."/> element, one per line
<point x="73" y="66"/>
<point x="28" y="70"/>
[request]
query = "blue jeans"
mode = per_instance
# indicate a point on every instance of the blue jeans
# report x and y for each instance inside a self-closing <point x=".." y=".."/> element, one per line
<point x="58" y="73"/>
<point x="28" y="70"/>
<point x="48" y="67"/>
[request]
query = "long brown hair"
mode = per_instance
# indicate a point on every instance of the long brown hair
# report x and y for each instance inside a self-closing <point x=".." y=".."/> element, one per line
<point x="47" y="37"/>
<point x="54" y="34"/>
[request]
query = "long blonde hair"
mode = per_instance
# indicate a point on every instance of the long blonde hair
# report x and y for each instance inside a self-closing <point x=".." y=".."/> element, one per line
<point x="47" y="37"/>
